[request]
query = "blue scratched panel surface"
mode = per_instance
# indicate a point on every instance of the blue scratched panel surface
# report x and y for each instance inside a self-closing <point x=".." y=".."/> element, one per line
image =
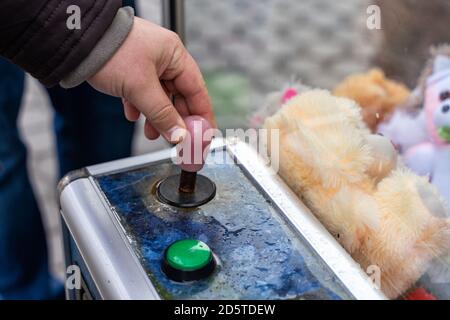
<point x="260" y="257"/>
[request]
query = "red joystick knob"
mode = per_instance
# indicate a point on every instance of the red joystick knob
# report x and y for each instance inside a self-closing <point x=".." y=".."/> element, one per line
<point x="189" y="189"/>
<point x="194" y="147"/>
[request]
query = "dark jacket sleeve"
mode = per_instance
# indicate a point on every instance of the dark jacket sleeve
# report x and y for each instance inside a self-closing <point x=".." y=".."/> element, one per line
<point x="34" y="34"/>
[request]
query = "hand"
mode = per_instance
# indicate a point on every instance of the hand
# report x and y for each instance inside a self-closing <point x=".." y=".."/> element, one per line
<point x="151" y="67"/>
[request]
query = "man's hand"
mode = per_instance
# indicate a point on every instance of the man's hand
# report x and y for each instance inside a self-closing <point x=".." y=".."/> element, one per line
<point x="151" y="68"/>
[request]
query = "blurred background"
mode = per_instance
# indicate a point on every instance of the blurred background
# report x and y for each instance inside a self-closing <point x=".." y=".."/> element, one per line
<point x="247" y="49"/>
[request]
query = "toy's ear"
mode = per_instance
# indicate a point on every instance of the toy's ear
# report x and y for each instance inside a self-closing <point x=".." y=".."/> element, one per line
<point x="441" y="62"/>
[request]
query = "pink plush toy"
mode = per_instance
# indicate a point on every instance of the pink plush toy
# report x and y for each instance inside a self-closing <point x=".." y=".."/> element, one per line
<point x="274" y="102"/>
<point x="424" y="138"/>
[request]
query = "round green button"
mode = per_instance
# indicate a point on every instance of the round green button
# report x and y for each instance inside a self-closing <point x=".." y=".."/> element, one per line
<point x="188" y="255"/>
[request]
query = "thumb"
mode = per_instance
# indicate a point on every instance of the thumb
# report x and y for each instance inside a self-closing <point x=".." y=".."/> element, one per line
<point x="156" y="106"/>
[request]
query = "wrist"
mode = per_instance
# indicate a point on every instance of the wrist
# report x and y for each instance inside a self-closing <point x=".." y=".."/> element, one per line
<point x="111" y="41"/>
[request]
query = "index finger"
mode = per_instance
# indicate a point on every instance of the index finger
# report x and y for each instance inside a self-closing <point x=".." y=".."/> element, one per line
<point x="189" y="83"/>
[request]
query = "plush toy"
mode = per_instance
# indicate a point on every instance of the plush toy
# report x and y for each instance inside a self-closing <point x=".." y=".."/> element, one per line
<point x="424" y="137"/>
<point x="377" y="95"/>
<point x="273" y="103"/>
<point x="379" y="211"/>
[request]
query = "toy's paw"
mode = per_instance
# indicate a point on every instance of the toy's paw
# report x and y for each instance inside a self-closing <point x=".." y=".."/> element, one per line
<point x="432" y="200"/>
<point x="412" y="233"/>
<point x="385" y="157"/>
<point x="351" y="216"/>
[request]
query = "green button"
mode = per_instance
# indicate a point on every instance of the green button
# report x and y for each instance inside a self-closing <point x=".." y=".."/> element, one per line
<point x="188" y="255"/>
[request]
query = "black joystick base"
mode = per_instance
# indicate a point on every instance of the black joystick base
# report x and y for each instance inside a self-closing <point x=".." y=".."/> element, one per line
<point x="186" y="190"/>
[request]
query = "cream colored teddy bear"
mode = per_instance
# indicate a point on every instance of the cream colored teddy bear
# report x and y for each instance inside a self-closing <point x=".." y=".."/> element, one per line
<point x="379" y="211"/>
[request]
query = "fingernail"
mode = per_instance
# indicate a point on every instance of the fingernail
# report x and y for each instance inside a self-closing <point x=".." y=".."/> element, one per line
<point x="175" y="134"/>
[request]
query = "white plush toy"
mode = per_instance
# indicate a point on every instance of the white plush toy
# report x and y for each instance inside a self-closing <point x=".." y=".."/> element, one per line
<point x="424" y="139"/>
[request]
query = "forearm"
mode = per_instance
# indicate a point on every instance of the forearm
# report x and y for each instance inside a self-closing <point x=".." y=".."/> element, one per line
<point x="34" y="34"/>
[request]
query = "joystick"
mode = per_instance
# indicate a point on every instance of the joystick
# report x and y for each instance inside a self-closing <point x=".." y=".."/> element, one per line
<point x="189" y="189"/>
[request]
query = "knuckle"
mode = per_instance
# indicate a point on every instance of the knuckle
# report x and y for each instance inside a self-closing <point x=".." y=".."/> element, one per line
<point x="178" y="57"/>
<point x="161" y="114"/>
<point x="174" y="37"/>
